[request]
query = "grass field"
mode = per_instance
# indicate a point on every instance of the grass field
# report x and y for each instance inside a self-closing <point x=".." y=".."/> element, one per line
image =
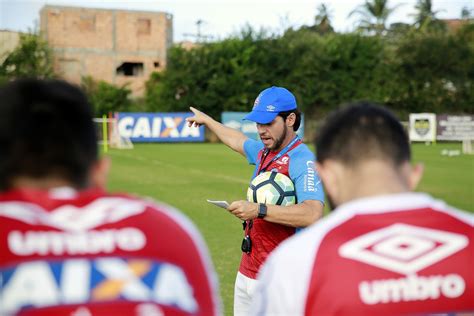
<point x="185" y="175"/>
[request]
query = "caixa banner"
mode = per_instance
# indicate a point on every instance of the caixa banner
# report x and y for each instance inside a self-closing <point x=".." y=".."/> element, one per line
<point x="249" y="128"/>
<point x="158" y="127"/>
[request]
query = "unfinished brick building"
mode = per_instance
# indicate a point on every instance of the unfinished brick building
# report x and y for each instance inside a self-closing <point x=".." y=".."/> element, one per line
<point x="116" y="46"/>
<point x="8" y="41"/>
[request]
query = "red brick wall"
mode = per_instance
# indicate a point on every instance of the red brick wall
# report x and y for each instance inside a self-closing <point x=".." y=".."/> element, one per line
<point x="93" y="42"/>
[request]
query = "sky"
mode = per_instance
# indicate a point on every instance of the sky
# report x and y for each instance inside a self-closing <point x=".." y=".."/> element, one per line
<point x="222" y="18"/>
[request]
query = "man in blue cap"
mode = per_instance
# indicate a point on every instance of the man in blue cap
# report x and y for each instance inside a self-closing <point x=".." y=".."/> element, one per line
<point x="277" y="117"/>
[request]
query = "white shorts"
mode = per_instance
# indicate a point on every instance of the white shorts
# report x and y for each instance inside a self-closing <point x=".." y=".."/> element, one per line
<point x="244" y="290"/>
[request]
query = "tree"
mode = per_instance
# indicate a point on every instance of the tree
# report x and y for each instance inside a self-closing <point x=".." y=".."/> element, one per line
<point x="106" y="97"/>
<point x="397" y="30"/>
<point x="435" y="73"/>
<point x="322" y="20"/>
<point x="466" y="13"/>
<point x="410" y="71"/>
<point x="31" y="58"/>
<point x="374" y="15"/>
<point x="425" y="18"/>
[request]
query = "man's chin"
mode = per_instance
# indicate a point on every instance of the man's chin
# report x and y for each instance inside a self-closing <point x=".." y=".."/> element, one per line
<point x="271" y="147"/>
<point x="268" y="144"/>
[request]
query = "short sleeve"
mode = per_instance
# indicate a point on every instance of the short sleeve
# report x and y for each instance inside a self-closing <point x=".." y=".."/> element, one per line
<point x="303" y="173"/>
<point x="251" y="149"/>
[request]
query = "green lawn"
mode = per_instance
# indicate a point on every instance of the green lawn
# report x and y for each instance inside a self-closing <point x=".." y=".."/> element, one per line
<point x="185" y="175"/>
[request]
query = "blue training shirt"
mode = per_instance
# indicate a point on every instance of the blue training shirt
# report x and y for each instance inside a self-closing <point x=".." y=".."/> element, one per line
<point x="298" y="164"/>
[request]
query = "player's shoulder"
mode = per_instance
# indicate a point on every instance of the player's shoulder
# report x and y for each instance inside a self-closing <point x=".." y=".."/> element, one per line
<point x="301" y="150"/>
<point x="460" y="215"/>
<point x="306" y="241"/>
<point x="296" y="249"/>
<point x="301" y="159"/>
<point x="251" y="143"/>
<point x="160" y="211"/>
<point x="298" y="252"/>
<point x="152" y="215"/>
<point x="251" y="149"/>
<point x="406" y="202"/>
<point x="176" y="215"/>
<point x="301" y="155"/>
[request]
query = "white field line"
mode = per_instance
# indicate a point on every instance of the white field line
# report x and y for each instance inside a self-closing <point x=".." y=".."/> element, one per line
<point x="190" y="170"/>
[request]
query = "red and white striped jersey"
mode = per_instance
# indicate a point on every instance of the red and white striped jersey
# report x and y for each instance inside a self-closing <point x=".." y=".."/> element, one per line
<point x="89" y="253"/>
<point x="388" y="255"/>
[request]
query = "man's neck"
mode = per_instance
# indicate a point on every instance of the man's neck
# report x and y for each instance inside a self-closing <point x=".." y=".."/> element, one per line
<point x="39" y="184"/>
<point x="373" y="179"/>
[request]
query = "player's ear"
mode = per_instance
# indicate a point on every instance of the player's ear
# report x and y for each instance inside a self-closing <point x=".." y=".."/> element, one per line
<point x="290" y="120"/>
<point x="416" y="173"/>
<point x="100" y="172"/>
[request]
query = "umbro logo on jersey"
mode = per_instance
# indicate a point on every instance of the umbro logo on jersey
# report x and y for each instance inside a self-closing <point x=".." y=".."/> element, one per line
<point x="406" y="249"/>
<point x="402" y="248"/>
<point x="75" y="243"/>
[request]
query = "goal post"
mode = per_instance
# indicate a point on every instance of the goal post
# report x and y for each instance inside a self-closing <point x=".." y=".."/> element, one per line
<point x="104" y="133"/>
<point x="467" y="146"/>
<point x="108" y="135"/>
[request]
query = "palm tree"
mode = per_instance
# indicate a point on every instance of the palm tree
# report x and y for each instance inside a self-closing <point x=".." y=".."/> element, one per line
<point x="374" y="15"/>
<point x="322" y="20"/>
<point x="466" y="13"/>
<point x="425" y="18"/>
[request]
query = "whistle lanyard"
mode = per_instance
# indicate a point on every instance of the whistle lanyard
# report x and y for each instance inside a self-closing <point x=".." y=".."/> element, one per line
<point x="278" y="156"/>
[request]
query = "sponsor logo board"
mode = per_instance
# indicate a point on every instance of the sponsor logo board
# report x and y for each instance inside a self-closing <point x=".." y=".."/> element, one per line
<point x="158" y="127"/>
<point x="422" y="127"/>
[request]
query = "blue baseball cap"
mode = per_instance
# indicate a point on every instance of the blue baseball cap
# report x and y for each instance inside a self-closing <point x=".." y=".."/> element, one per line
<point x="269" y="103"/>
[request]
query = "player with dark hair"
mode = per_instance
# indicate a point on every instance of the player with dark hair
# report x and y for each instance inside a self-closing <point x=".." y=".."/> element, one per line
<point x="67" y="246"/>
<point x="280" y="149"/>
<point x="384" y="250"/>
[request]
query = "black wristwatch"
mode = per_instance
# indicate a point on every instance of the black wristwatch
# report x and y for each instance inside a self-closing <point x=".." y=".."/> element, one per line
<point x="262" y="210"/>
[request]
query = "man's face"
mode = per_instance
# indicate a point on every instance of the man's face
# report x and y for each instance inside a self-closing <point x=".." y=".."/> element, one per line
<point x="273" y="134"/>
